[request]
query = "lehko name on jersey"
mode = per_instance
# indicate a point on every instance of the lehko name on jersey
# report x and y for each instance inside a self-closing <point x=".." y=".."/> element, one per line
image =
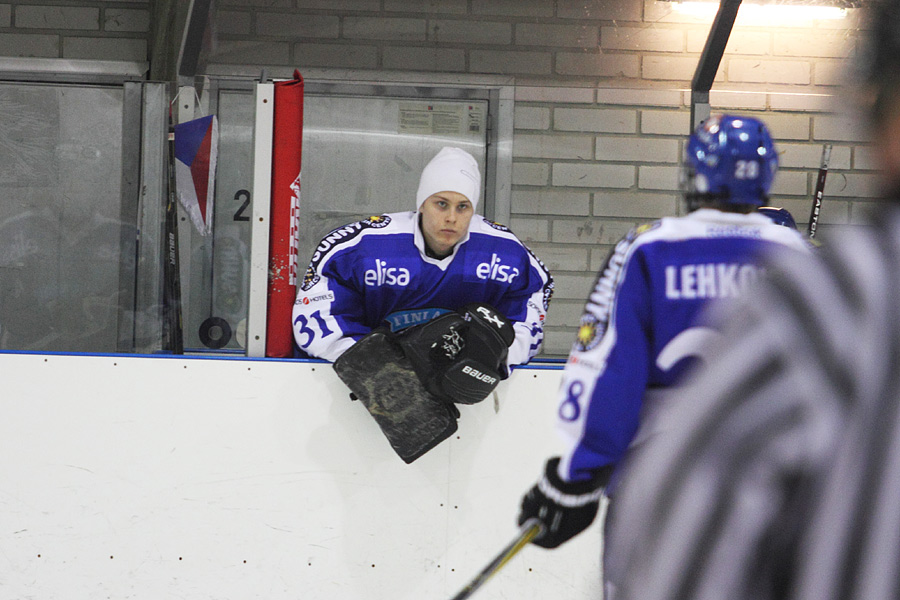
<point x="709" y="280"/>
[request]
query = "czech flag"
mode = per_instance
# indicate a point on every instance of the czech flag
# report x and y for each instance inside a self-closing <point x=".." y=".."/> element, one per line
<point x="196" y="148"/>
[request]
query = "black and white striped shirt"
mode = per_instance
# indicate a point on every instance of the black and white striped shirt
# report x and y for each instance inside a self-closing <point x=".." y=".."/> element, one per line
<point x="777" y="474"/>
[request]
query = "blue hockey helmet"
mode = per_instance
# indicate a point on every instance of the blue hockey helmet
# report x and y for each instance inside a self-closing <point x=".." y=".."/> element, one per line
<point x="781" y="216"/>
<point x="730" y="159"/>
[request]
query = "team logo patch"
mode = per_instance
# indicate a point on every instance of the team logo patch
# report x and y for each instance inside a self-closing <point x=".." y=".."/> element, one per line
<point x="310" y="279"/>
<point x="496" y="225"/>
<point x="589" y="333"/>
<point x="642" y="229"/>
<point x="378" y="221"/>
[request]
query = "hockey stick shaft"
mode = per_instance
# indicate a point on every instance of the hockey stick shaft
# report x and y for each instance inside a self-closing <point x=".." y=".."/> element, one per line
<point x="173" y="331"/>
<point x="820" y="190"/>
<point x="530" y="530"/>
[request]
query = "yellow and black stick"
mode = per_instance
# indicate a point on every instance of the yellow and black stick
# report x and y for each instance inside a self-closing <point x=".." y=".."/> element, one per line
<point x="530" y="530"/>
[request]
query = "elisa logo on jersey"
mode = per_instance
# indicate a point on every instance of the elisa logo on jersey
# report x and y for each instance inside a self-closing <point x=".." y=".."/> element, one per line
<point x="382" y="274"/>
<point x="329" y="296"/>
<point x="589" y="333"/>
<point x="496" y="270"/>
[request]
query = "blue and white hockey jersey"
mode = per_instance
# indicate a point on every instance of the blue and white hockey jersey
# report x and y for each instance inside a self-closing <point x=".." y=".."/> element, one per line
<point x="642" y="324"/>
<point x="363" y="272"/>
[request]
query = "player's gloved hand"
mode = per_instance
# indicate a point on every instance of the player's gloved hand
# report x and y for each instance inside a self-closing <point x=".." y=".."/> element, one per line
<point x="489" y="335"/>
<point x="459" y="356"/>
<point x="565" y="509"/>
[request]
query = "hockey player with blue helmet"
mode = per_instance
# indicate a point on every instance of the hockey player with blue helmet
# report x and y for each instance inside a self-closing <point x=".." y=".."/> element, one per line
<point x="730" y="160"/>
<point x="642" y="327"/>
<point x="425" y="309"/>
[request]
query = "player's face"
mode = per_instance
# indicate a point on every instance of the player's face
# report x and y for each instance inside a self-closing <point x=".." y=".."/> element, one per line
<point x="445" y="220"/>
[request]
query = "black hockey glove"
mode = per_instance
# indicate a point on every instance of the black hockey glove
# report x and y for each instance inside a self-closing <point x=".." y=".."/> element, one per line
<point x="489" y="336"/>
<point x="459" y="356"/>
<point x="565" y="509"/>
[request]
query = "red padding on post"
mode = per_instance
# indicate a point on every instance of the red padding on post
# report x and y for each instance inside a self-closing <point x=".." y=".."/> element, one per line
<point x="284" y="217"/>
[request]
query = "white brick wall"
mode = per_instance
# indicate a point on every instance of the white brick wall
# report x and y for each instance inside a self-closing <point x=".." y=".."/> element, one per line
<point x="557" y="36"/>
<point x="637" y="149"/>
<point x="107" y="30"/>
<point x="552" y="202"/>
<point x="510" y="62"/>
<point x="57" y="17"/>
<point x="769" y="71"/>
<point x="30" y="45"/>
<point x="384" y="28"/>
<point x="446" y="60"/>
<point x="458" y="7"/>
<point x="532" y="117"/>
<point x="126" y="20"/>
<point x="513" y="8"/>
<point x="642" y="39"/>
<point x="294" y="25"/>
<point x="531" y="173"/>
<point x="553" y="146"/>
<point x="595" y="64"/>
<point x="640" y="205"/>
<point x="466" y="32"/>
<point x="594" y="175"/>
<point x="595" y="120"/>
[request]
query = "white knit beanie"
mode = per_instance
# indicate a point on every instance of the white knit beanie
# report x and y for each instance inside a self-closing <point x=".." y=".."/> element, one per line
<point x="451" y="170"/>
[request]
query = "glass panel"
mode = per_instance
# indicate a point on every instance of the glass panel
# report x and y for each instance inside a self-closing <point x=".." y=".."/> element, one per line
<point x="60" y="229"/>
<point x="215" y="314"/>
<point x="363" y="155"/>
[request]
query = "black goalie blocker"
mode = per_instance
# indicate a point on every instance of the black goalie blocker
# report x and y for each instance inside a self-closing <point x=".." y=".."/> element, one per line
<point x="459" y="357"/>
<point x="409" y="381"/>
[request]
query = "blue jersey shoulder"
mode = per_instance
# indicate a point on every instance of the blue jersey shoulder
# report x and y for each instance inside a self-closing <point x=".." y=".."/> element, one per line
<point x="338" y="238"/>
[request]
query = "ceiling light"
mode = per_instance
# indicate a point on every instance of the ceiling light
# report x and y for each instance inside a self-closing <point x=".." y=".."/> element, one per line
<point x="767" y="10"/>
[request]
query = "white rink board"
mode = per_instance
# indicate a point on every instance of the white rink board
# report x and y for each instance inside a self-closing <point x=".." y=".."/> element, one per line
<point x="193" y="478"/>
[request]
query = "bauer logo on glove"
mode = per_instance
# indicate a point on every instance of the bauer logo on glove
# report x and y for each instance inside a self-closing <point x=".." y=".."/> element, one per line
<point x="479" y="375"/>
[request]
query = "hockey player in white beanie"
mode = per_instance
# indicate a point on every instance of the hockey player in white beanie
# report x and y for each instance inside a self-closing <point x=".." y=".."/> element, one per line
<point x="447" y="198"/>
<point x="381" y="292"/>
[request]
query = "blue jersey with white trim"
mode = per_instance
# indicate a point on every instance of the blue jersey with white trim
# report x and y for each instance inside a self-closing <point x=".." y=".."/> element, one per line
<point x="642" y="325"/>
<point x="365" y="271"/>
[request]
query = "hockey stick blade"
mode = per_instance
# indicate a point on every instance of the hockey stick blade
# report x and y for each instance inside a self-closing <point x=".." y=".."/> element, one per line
<point x="530" y="530"/>
<point x="820" y="190"/>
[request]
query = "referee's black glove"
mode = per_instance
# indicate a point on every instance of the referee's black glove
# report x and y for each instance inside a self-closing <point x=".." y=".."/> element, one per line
<point x="565" y="509"/>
